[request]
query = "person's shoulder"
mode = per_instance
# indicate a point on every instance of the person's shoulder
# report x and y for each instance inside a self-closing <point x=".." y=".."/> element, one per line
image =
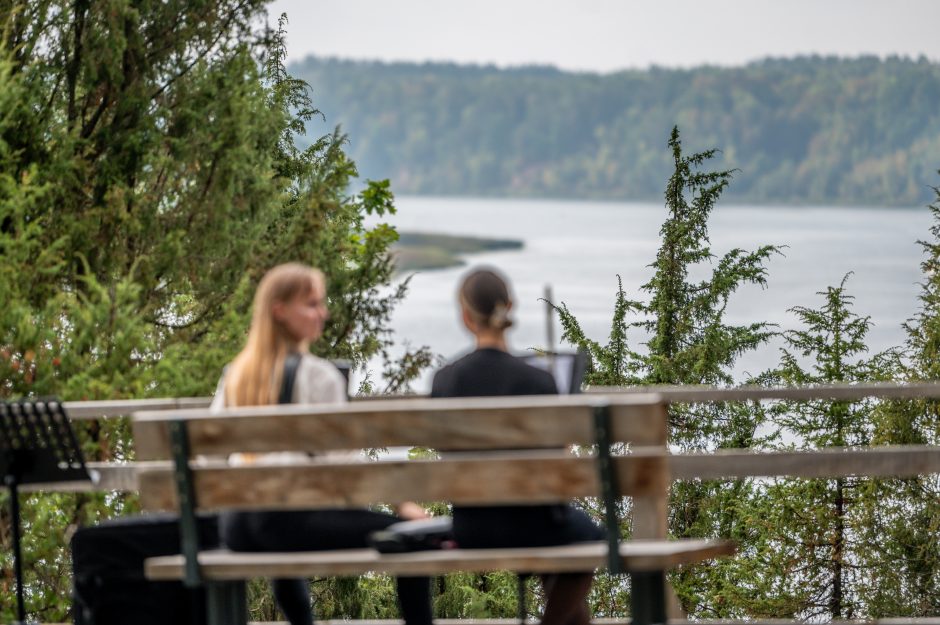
<point x="315" y="363"/>
<point x="319" y="380"/>
<point x="539" y="380"/>
<point x="445" y="378"/>
<point x="441" y="381"/>
<point x="458" y="364"/>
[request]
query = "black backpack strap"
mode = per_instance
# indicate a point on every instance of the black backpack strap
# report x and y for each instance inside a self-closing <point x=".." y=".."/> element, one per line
<point x="291" y="364"/>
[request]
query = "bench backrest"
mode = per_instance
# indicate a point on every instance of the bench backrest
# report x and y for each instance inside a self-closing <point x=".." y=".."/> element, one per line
<point x="500" y="450"/>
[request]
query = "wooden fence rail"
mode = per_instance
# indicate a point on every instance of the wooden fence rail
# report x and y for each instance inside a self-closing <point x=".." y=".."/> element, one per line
<point x="906" y="461"/>
<point x="844" y="392"/>
<point x="886" y="461"/>
<point x="86" y="410"/>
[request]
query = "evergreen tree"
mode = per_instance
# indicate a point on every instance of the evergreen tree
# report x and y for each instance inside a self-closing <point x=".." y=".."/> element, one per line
<point x="904" y="520"/>
<point x="689" y="342"/>
<point x="813" y="543"/>
<point x="148" y="177"/>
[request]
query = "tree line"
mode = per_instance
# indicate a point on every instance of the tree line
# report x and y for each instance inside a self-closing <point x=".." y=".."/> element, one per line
<point x="813" y="130"/>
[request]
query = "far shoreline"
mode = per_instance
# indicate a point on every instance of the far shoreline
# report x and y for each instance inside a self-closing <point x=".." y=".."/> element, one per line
<point x="427" y="251"/>
<point x="723" y="202"/>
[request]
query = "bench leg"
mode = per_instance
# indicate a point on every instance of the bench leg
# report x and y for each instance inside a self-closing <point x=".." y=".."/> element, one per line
<point x="648" y="596"/>
<point x="227" y="603"/>
<point x="521" y="598"/>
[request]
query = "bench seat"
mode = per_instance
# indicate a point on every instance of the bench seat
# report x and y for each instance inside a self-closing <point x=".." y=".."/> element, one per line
<point x="637" y="556"/>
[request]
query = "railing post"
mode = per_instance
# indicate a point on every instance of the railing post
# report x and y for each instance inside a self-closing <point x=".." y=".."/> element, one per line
<point x="648" y="597"/>
<point x="651" y="512"/>
<point x="10" y="483"/>
<point x="610" y="490"/>
<point x="227" y="603"/>
<point x="185" y="493"/>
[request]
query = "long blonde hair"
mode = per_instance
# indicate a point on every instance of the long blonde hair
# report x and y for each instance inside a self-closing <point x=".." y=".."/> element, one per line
<point x="254" y="377"/>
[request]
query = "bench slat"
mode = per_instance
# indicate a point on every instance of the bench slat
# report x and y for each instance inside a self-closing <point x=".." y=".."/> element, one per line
<point x="466" y="478"/>
<point x="453" y="424"/>
<point x="638" y="555"/>
<point x="120" y="407"/>
<point x="111" y="477"/>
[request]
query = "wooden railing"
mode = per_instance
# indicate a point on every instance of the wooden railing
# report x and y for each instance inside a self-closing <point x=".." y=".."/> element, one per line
<point x="879" y="461"/>
<point x="112" y="476"/>
<point x="885" y="461"/>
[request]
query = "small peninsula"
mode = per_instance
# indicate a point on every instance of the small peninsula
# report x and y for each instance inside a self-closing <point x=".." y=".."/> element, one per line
<point x="417" y="251"/>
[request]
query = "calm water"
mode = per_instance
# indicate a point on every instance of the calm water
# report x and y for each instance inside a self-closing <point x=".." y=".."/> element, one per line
<point x="580" y="247"/>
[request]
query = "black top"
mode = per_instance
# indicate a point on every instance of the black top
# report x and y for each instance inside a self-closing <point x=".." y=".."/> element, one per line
<point x="491" y="372"/>
<point x="487" y="373"/>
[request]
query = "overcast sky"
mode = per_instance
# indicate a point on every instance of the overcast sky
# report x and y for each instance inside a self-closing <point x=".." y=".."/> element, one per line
<point x="605" y="35"/>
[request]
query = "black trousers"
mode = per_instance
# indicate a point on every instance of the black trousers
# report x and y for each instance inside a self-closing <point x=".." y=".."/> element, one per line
<point x="522" y="526"/>
<point x="318" y="530"/>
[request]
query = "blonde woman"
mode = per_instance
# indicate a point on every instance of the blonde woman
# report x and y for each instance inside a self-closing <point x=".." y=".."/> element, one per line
<point x="290" y="310"/>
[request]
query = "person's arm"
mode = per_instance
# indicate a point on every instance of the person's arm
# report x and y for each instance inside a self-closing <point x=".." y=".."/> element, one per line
<point x="218" y="400"/>
<point x="410" y="511"/>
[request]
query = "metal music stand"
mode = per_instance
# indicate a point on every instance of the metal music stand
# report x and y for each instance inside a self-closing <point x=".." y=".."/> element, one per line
<point x="37" y="445"/>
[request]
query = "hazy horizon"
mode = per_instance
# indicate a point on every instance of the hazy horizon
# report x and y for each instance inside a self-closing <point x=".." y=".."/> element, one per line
<point x="604" y="36"/>
<point x="548" y="66"/>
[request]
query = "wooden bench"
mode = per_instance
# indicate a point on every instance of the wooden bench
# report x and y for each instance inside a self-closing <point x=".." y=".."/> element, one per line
<point x="500" y="451"/>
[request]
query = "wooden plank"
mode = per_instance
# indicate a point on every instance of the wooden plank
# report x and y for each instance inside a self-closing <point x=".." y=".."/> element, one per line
<point x="621" y="621"/>
<point x="605" y="621"/>
<point x="903" y="461"/>
<point x="651" y="516"/>
<point x="847" y="392"/>
<point x="80" y="410"/>
<point x="636" y="555"/>
<point x="456" y="424"/>
<point x="110" y="477"/>
<point x="651" y="520"/>
<point x="877" y="462"/>
<point x="467" y="478"/>
<point x="628" y="621"/>
<point x="887" y="461"/>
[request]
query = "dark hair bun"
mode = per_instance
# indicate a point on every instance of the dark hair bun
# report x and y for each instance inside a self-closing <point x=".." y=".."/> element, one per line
<point x="486" y="295"/>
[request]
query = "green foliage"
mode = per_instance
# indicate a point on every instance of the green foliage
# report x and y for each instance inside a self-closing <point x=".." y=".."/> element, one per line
<point x="613" y="364"/>
<point x="817" y="528"/>
<point x="688" y="342"/>
<point x="906" y="521"/>
<point x="802" y="131"/>
<point x="149" y="175"/>
<point x="468" y="595"/>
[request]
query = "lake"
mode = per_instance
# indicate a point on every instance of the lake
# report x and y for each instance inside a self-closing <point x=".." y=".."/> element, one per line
<point x="579" y="248"/>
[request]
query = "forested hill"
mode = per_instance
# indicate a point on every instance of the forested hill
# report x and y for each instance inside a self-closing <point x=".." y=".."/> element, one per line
<point x="806" y="130"/>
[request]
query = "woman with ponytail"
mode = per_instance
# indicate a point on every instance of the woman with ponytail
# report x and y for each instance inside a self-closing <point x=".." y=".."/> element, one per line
<point x="490" y="370"/>
<point x="289" y="314"/>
